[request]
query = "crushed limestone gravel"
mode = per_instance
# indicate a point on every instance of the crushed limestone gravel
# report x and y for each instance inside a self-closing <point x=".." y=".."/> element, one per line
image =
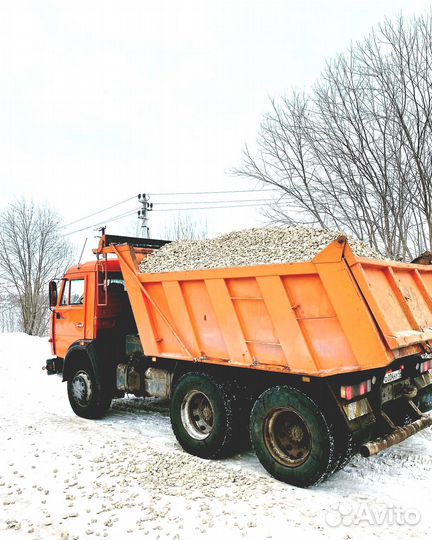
<point x="267" y="245"/>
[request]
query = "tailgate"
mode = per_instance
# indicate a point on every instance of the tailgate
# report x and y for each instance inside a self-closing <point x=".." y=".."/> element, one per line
<point x="399" y="296"/>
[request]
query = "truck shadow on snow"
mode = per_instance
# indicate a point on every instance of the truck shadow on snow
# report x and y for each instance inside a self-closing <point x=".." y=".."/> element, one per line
<point x="140" y="405"/>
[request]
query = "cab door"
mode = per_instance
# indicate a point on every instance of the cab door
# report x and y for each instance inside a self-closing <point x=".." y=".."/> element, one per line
<point x="69" y="317"/>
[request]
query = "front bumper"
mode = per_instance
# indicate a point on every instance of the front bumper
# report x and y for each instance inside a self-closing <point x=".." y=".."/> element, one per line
<point x="53" y="366"/>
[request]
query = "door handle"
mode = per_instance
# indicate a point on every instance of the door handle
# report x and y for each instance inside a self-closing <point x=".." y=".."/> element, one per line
<point x="79" y="325"/>
<point x="58" y="315"/>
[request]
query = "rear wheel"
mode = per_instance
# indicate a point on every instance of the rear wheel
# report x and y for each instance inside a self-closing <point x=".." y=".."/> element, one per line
<point x="291" y="437"/>
<point x="85" y="397"/>
<point x="203" y="416"/>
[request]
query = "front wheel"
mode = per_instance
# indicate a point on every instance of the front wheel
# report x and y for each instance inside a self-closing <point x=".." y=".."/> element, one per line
<point x="86" y="398"/>
<point x="291" y="436"/>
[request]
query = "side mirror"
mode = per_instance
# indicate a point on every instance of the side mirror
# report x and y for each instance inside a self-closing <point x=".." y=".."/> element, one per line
<point x="52" y="293"/>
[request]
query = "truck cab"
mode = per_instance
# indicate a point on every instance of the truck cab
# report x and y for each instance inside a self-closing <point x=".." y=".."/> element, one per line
<point x="90" y="301"/>
<point x="91" y="317"/>
<point x="90" y="304"/>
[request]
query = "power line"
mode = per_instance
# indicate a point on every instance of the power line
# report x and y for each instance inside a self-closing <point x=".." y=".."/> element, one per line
<point x="212" y="192"/>
<point x="114" y="218"/>
<point x="177" y="202"/>
<point x="131" y="212"/>
<point x="99" y="211"/>
<point x="157" y="203"/>
<point x="221" y="204"/>
<point x="262" y="203"/>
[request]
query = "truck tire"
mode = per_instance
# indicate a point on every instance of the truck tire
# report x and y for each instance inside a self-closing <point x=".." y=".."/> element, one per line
<point x="345" y="451"/>
<point x="85" y="398"/>
<point x="291" y="437"/>
<point x="344" y="445"/>
<point x="203" y="416"/>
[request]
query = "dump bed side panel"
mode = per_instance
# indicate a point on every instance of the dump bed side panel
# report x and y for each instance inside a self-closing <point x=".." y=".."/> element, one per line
<point x="303" y="318"/>
<point x="399" y="297"/>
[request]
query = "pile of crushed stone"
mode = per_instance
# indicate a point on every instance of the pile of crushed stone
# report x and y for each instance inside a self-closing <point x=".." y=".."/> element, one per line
<point x="248" y="248"/>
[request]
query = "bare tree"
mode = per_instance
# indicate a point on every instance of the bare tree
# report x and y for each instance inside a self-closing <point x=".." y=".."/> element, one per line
<point x="9" y="317"/>
<point x="184" y="227"/>
<point x="32" y="251"/>
<point x="355" y="153"/>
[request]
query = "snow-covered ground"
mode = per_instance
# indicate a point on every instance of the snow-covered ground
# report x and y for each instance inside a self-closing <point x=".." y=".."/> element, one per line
<point x="125" y="477"/>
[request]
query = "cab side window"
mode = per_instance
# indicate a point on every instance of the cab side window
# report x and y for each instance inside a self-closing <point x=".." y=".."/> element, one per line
<point x="73" y="293"/>
<point x="65" y="295"/>
<point x="76" y="292"/>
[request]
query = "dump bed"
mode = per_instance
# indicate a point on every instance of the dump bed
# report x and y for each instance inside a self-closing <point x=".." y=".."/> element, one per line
<point x="336" y="314"/>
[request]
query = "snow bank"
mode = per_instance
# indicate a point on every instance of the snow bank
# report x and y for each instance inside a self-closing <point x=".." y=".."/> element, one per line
<point x="125" y="477"/>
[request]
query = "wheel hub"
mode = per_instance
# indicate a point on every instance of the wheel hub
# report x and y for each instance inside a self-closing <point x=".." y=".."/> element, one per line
<point x="82" y="387"/>
<point x="296" y="433"/>
<point x="287" y="437"/>
<point x="197" y="415"/>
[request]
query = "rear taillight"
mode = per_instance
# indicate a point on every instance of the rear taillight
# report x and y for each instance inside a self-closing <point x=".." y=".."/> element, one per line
<point x="356" y="390"/>
<point x="426" y="366"/>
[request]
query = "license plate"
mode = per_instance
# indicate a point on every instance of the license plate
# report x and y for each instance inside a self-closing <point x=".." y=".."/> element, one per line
<point x="393" y="376"/>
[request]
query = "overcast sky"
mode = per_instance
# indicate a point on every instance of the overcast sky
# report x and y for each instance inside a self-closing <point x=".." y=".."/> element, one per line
<point x="101" y="100"/>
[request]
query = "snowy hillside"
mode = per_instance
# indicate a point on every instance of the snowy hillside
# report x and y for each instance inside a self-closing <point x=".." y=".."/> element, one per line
<point x="125" y="477"/>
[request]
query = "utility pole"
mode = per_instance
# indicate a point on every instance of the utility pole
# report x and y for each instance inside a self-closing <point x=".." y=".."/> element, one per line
<point x="143" y="214"/>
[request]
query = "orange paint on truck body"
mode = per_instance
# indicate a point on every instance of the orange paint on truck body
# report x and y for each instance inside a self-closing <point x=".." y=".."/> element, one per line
<point x="336" y="314"/>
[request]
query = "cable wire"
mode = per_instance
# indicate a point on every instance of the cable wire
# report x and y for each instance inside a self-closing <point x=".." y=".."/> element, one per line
<point x="262" y="203"/>
<point x="212" y="192"/>
<point x="107" y="220"/>
<point x="157" y="203"/>
<point x="99" y="211"/>
<point x="177" y="202"/>
<point x="223" y="204"/>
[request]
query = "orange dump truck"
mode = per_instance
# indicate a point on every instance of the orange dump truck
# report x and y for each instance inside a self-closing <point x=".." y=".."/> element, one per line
<point x="311" y="361"/>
